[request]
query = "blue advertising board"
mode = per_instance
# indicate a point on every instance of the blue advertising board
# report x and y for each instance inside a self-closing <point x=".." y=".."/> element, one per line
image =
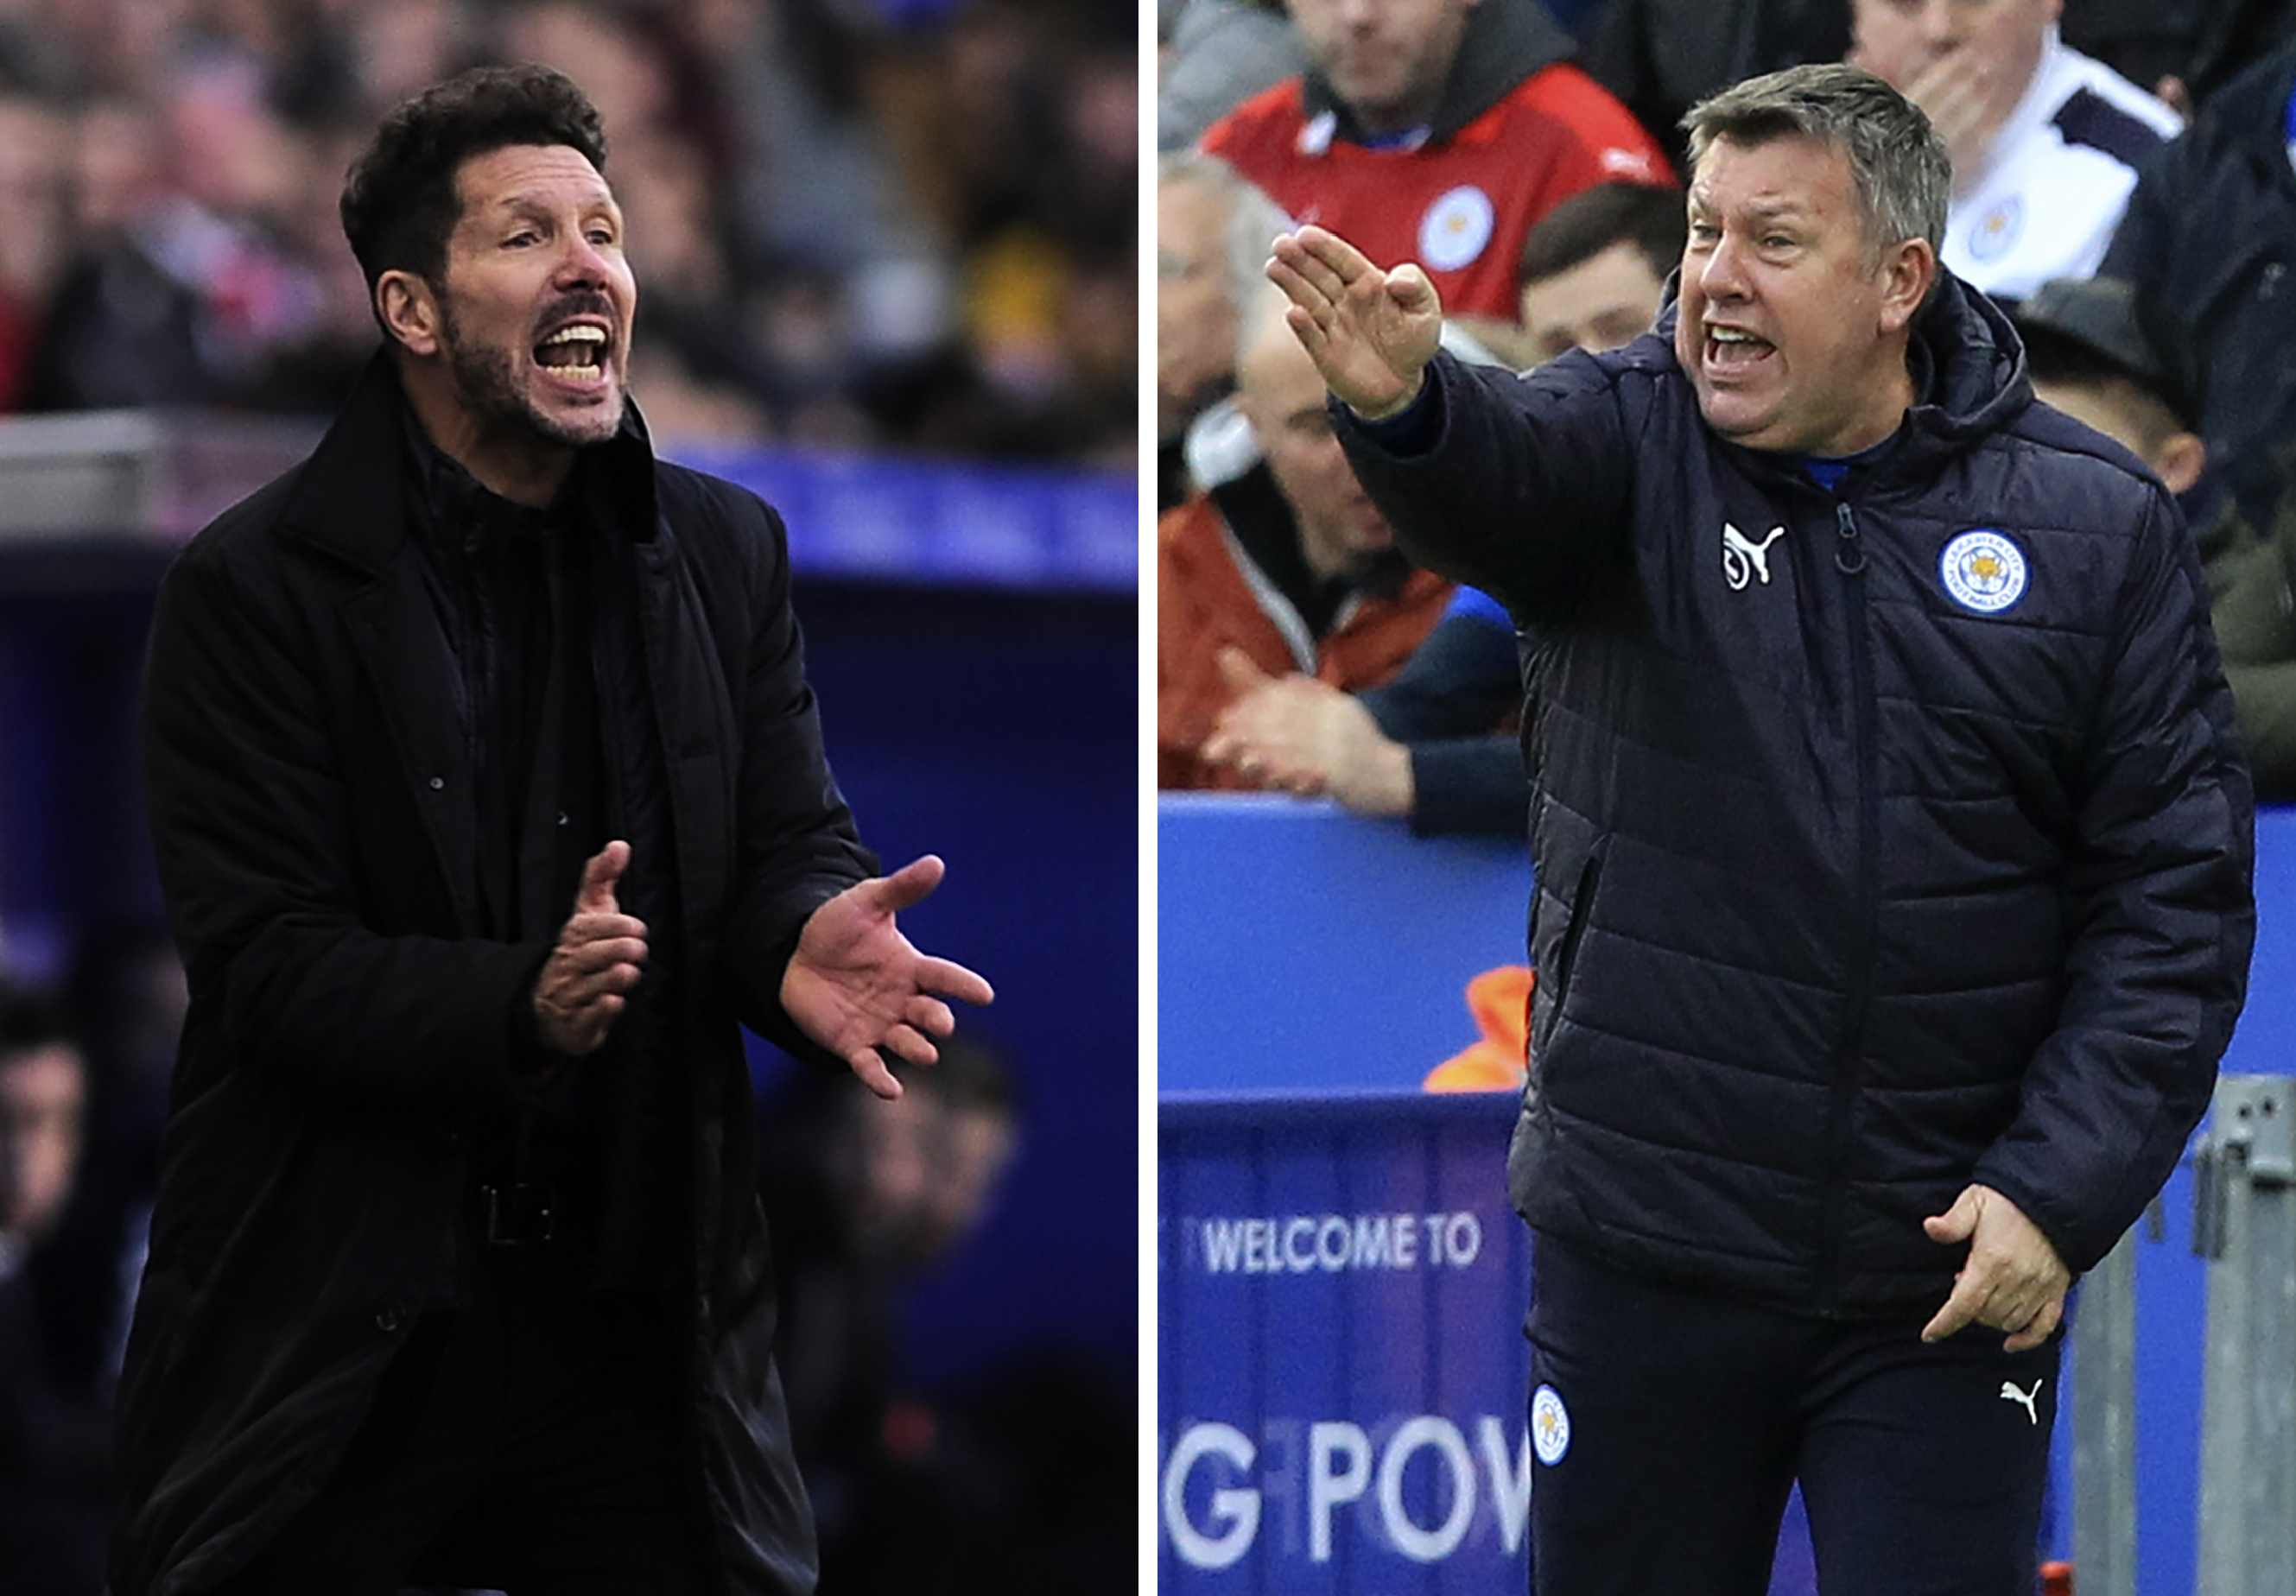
<point x="1341" y="1394"/>
<point x="1341" y="1386"/>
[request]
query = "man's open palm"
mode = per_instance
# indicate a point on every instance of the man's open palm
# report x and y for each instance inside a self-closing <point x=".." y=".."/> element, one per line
<point x="1371" y="333"/>
<point x="856" y="984"/>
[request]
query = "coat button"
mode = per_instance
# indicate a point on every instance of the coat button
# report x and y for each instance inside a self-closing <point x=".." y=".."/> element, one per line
<point x="438" y="783"/>
<point x="390" y="1317"/>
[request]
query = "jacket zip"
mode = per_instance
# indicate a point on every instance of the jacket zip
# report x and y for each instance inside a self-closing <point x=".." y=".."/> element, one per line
<point x="1850" y="1056"/>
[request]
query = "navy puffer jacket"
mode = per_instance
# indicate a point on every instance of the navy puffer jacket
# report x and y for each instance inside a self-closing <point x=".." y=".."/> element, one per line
<point x="1887" y="841"/>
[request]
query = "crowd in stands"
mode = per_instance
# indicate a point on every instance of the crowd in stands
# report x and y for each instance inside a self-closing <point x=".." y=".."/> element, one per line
<point x="902" y="224"/>
<point x="2124" y="187"/>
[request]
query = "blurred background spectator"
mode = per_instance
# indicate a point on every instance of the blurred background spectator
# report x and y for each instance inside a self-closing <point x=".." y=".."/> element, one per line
<point x="2044" y="140"/>
<point x="1019" y="1484"/>
<point x="53" y="1415"/>
<point x="2209" y="243"/>
<point x="1435" y="743"/>
<point x="889" y="223"/>
<point x="1280" y="563"/>
<point x="1213" y="233"/>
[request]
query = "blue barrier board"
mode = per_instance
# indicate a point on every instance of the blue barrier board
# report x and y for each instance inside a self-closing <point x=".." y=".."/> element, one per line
<point x="1341" y="1395"/>
<point x="885" y="518"/>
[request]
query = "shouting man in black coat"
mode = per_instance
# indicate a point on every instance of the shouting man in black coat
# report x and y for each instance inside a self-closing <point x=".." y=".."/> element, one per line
<point x="456" y="1274"/>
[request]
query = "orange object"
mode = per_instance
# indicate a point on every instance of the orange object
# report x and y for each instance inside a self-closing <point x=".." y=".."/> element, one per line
<point x="1500" y="1000"/>
<point x="2056" y="1579"/>
<point x="1205" y="603"/>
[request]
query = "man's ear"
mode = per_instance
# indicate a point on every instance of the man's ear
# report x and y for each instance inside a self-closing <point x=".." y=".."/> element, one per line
<point x="410" y="311"/>
<point x="2179" y="461"/>
<point x="1907" y="271"/>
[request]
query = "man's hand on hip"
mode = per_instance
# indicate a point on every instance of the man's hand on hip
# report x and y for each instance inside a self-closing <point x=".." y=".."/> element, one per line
<point x="600" y="953"/>
<point x="1371" y="333"/>
<point x="2013" y="1279"/>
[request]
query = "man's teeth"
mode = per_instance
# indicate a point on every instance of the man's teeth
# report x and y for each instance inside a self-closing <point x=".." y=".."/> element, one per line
<point x="587" y="366"/>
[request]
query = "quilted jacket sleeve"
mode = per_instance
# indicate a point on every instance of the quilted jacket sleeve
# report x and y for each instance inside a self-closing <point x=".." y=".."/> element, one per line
<point x="2161" y="920"/>
<point x="1523" y="487"/>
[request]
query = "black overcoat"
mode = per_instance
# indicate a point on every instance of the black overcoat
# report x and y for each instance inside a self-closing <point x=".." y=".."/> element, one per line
<point x="309" y="788"/>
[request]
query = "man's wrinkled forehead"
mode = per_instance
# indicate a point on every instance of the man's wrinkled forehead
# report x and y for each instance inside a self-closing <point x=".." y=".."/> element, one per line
<point x="1819" y="177"/>
<point x="513" y="179"/>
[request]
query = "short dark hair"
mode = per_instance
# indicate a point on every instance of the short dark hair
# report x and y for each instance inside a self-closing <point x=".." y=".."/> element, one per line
<point x="399" y="204"/>
<point x="971" y="1076"/>
<point x="1648" y="215"/>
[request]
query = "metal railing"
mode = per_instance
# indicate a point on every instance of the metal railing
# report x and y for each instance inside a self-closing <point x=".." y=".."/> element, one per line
<point x="2245" y="1223"/>
<point x="2244" y="1226"/>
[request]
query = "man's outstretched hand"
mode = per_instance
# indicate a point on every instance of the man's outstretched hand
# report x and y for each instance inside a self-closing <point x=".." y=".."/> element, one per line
<point x="856" y="984"/>
<point x="1371" y="333"/>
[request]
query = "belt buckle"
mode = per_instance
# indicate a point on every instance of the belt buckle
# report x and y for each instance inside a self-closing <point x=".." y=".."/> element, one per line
<point x="519" y="1214"/>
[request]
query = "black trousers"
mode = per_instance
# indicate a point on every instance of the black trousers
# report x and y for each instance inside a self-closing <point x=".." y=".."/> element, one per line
<point x="1669" y="1426"/>
<point x="530" y="1443"/>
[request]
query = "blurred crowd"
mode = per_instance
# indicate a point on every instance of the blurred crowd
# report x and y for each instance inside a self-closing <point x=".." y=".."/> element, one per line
<point x="905" y="224"/>
<point x="2124" y="187"/>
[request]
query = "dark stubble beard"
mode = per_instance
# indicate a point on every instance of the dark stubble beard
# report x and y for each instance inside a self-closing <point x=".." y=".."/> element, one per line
<point x="489" y="388"/>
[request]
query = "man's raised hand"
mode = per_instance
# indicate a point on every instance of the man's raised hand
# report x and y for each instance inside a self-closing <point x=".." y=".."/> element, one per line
<point x="856" y="984"/>
<point x="600" y="953"/>
<point x="1371" y="333"/>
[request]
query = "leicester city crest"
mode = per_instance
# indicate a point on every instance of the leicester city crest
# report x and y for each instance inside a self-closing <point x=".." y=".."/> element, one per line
<point x="1996" y="231"/>
<point x="1456" y="228"/>
<point x="1550" y="1426"/>
<point x="1983" y="570"/>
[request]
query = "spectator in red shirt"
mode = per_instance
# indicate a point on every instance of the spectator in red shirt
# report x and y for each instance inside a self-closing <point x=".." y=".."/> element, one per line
<point x="1436" y="131"/>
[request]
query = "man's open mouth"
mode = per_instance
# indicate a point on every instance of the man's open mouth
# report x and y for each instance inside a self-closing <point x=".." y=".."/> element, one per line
<point x="576" y="352"/>
<point x="1730" y="348"/>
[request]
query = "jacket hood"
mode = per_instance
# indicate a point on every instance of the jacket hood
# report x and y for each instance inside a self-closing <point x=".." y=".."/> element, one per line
<point x="1506" y="42"/>
<point x="1976" y="380"/>
<point x="1968" y="363"/>
<point x="350" y="496"/>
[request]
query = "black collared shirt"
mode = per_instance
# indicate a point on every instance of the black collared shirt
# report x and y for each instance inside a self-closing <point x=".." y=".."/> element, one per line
<point x="515" y="589"/>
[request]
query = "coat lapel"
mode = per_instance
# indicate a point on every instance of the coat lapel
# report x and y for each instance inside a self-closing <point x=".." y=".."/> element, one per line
<point x="351" y="503"/>
<point x="394" y="627"/>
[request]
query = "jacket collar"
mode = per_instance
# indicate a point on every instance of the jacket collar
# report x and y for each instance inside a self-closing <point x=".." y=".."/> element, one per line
<point x="351" y="498"/>
<point x="1506" y="42"/>
<point x="1975" y="381"/>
